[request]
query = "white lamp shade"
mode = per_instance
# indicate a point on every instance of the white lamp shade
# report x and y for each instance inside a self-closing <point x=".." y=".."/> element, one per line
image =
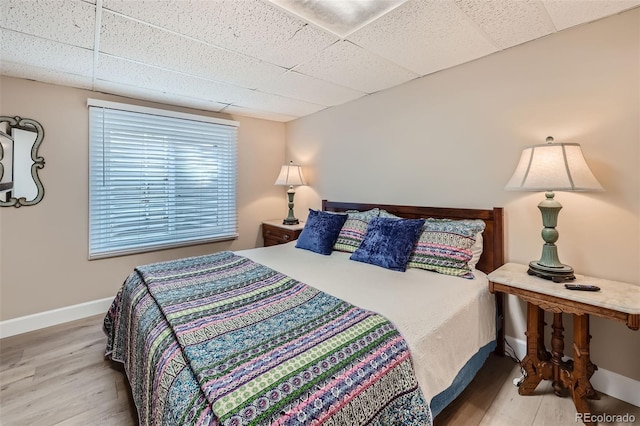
<point x="553" y="167"/>
<point x="290" y="175"/>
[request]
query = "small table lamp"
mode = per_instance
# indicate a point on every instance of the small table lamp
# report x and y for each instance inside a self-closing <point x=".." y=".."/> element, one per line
<point x="290" y="175"/>
<point x="552" y="167"/>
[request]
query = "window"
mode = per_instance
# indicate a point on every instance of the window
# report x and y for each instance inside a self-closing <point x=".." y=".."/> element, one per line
<point x="158" y="179"/>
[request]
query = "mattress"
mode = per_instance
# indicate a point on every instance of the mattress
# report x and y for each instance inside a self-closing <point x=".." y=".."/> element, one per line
<point x="445" y="320"/>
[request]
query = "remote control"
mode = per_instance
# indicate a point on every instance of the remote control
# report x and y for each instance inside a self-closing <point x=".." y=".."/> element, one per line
<point x="582" y="287"/>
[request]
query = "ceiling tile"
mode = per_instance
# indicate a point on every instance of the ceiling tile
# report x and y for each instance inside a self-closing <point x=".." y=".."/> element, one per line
<point x="258" y="113"/>
<point x="565" y="14"/>
<point x="303" y="87"/>
<point x="134" y="40"/>
<point x="44" y="75"/>
<point x="132" y="73"/>
<point x="156" y="96"/>
<point x="351" y="66"/>
<point x="425" y="36"/>
<point x="38" y="52"/>
<point x="74" y="20"/>
<point x="147" y="78"/>
<point x="251" y="27"/>
<point x="508" y="23"/>
<point x="278" y="104"/>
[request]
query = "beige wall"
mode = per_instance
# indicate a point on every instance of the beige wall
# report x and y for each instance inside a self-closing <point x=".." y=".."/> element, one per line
<point x="44" y="247"/>
<point x="454" y="138"/>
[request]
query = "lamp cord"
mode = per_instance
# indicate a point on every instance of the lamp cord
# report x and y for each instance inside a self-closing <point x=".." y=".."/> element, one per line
<point x="514" y="357"/>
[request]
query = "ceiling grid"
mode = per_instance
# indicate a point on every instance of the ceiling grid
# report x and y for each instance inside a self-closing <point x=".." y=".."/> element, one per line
<point x="254" y="57"/>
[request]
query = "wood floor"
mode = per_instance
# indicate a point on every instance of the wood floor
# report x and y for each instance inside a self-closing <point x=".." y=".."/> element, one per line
<point x="58" y="376"/>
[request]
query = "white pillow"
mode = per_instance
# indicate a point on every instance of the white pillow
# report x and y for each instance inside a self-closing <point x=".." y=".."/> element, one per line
<point x="476" y="251"/>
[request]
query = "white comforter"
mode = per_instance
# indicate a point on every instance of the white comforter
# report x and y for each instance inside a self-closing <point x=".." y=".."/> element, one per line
<point x="444" y="319"/>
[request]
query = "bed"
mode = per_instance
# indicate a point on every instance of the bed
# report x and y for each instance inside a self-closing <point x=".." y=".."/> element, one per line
<point x="430" y="350"/>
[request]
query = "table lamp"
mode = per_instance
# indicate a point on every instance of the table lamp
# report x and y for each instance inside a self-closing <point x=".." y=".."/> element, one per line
<point x="290" y="175"/>
<point x="552" y="167"/>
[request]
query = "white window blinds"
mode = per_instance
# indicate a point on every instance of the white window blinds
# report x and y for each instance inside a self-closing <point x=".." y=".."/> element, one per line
<point x="158" y="181"/>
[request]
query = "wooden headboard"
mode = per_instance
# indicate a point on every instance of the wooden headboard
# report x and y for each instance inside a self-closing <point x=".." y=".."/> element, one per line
<point x="493" y="236"/>
<point x="493" y="240"/>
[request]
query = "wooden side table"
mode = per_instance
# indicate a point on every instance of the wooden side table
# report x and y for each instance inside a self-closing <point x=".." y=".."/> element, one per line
<point x="274" y="232"/>
<point x="616" y="300"/>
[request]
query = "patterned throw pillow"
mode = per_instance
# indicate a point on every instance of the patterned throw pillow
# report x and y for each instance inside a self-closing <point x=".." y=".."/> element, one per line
<point x="384" y="213"/>
<point x="353" y="230"/>
<point x="444" y="246"/>
<point x="389" y="242"/>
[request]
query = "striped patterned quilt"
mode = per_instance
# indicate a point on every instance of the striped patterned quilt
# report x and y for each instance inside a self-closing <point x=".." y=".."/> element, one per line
<point x="221" y="339"/>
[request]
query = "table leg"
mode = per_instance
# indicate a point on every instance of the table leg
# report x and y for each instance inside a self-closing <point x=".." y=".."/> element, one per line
<point x="577" y="378"/>
<point x="591" y="367"/>
<point x="543" y="353"/>
<point x="583" y="368"/>
<point x="536" y="368"/>
<point x="557" y="353"/>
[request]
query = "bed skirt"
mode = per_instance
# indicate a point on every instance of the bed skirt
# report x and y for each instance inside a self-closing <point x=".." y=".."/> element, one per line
<point x="462" y="380"/>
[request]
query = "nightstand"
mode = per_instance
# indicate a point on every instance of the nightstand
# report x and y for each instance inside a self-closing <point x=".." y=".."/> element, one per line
<point x="274" y="232"/>
<point x="615" y="300"/>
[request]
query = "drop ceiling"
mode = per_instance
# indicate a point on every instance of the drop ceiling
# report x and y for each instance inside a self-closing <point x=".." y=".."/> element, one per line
<point x="253" y="57"/>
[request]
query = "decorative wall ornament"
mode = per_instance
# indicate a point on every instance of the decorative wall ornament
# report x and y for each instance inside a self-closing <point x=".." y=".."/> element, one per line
<point x="24" y="161"/>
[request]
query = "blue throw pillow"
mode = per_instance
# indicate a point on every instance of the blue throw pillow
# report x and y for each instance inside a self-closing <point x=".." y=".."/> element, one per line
<point x="389" y="242"/>
<point x="321" y="231"/>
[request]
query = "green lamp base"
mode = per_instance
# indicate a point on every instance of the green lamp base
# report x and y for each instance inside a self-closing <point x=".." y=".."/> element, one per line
<point x="290" y="219"/>
<point x="549" y="266"/>
<point x="557" y="274"/>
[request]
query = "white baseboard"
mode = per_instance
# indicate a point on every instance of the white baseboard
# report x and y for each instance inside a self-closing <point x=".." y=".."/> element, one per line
<point x="40" y="320"/>
<point x="605" y="381"/>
